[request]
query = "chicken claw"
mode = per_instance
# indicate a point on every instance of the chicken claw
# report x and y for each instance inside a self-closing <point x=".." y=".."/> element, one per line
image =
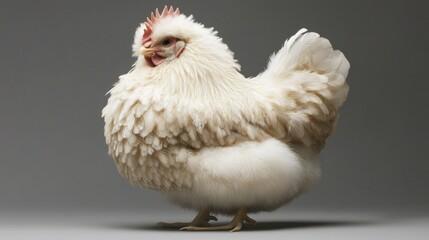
<point x="201" y="220"/>
<point x="235" y="225"/>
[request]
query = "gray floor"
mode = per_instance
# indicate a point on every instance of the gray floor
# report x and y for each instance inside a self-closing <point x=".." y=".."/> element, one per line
<point x="282" y="224"/>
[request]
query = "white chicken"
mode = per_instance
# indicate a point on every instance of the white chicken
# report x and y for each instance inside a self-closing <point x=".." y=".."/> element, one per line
<point x="186" y="122"/>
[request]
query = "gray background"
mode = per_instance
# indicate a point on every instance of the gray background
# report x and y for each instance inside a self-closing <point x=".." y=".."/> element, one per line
<point x="59" y="58"/>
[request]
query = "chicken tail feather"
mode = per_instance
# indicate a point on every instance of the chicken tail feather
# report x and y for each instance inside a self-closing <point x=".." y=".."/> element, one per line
<point x="310" y="77"/>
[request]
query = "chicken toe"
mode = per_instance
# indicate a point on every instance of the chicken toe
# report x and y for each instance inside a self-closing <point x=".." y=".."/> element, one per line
<point x="235" y="225"/>
<point x="201" y="220"/>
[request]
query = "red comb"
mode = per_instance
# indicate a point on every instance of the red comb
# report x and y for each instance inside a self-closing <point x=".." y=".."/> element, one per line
<point x="154" y="18"/>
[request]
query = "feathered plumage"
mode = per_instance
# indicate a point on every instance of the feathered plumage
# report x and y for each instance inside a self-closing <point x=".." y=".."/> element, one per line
<point x="192" y="126"/>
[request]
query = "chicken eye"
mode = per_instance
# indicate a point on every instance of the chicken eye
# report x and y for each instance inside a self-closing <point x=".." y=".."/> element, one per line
<point x="166" y="42"/>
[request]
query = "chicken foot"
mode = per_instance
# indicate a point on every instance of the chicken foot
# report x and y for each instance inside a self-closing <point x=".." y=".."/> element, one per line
<point x="201" y="220"/>
<point x="235" y="225"/>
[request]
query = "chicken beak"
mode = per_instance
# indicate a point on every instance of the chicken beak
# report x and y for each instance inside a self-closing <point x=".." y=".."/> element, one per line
<point x="147" y="52"/>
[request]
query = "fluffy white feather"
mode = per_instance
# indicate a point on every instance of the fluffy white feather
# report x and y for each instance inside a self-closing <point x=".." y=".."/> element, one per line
<point x="206" y="136"/>
<point x="259" y="175"/>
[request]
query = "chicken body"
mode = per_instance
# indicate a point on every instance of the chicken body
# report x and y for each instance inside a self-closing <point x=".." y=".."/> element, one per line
<point x="197" y="130"/>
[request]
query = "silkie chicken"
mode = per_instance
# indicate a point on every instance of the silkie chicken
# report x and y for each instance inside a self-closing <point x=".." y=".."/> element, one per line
<point x="185" y="121"/>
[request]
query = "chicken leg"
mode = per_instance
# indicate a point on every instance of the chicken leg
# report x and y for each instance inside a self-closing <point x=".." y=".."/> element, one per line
<point x="201" y="220"/>
<point x="235" y="225"/>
